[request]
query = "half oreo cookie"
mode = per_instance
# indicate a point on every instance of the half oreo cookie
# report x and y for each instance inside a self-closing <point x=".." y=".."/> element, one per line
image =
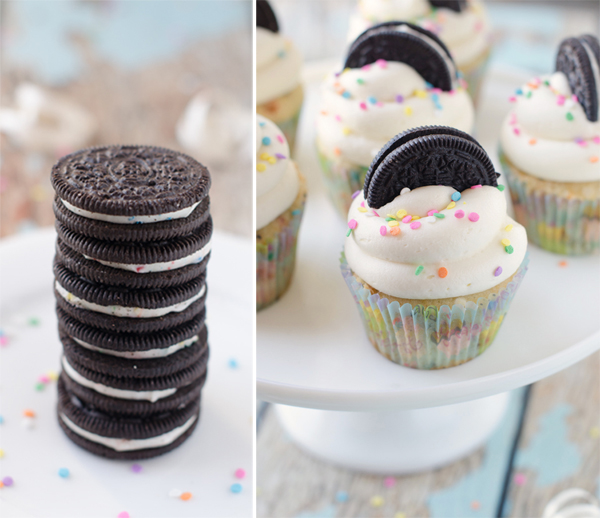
<point x="579" y="60"/>
<point x="454" y="5"/>
<point x="429" y="155"/>
<point x="406" y="43"/>
<point x="265" y="17"/>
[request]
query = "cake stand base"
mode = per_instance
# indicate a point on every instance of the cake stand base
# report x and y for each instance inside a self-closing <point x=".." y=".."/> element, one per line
<point x="394" y="441"/>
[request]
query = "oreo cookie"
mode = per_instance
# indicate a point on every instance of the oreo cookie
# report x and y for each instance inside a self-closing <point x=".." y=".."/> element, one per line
<point x="159" y="231"/>
<point x="265" y="17"/>
<point x="124" y="437"/>
<point x="429" y="155"/>
<point x="130" y="182"/>
<point x="454" y="5"/>
<point x="406" y="43"/>
<point x="579" y="60"/>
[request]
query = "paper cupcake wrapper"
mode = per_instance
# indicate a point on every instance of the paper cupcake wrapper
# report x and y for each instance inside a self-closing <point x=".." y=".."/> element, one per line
<point x="289" y="128"/>
<point x="431" y="337"/>
<point x="342" y="179"/>
<point x="275" y="262"/>
<point x="556" y="223"/>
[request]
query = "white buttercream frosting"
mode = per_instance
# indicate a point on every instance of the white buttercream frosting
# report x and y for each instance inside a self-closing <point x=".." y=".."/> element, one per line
<point x="118" y="444"/>
<point x="136" y="395"/>
<point x="131" y="220"/>
<point x="196" y="257"/>
<point x="141" y="355"/>
<point x="363" y="108"/>
<point x="277" y="182"/>
<point x="469" y="248"/>
<point x="466" y="34"/>
<point x="124" y="311"/>
<point x="278" y="65"/>
<point x="547" y="134"/>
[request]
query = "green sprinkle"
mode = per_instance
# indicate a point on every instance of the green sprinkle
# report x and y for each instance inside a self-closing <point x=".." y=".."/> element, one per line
<point x="547" y="83"/>
<point x="360" y="81"/>
<point x="349" y="232"/>
<point x="390" y="219"/>
<point x="501" y="188"/>
<point x="570" y="116"/>
<point x="39" y="387"/>
<point x="438" y="215"/>
<point x="33" y="321"/>
<point x="529" y="94"/>
<point x="509" y="249"/>
<point x="419" y="270"/>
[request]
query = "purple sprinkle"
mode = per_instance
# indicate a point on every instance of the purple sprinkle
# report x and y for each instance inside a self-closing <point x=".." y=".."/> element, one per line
<point x="399" y="99"/>
<point x="355" y="194"/>
<point x="497" y="271"/>
<point x="7" y="481"/>
<point x="280" y="156"/>
<point x="136" y="468"/>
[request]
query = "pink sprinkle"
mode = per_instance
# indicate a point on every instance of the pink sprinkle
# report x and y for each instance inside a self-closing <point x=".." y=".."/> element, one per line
<point x="363" y="106"/>
<point x="379" y="103"/>
<point x="537" y="81"/>
<point x="123" y="514"/>
<point x="459" y="214"/>
<point x="407" y="219"/>
<point x="415" y="225"/>
<point x="512" y="99"/>
<point x="432" y="212"/>
<point x="437" y="90"/>
<point x="517" y="131"/>
<point x="240" y="473"/>
<point x="382" y="63"/>
<point x="513" y="119"/>
<point x="362" y="203"/>
<point x="560" y="99"/>
<point x="452" y="92"/>
<point x="375" y="212"/>
<point x="44" y="379"/>
<point x="355" y="194"/>
<point x="338" y="118"/>
<point x="478" y="25"/>
<point x="574" y="97"/>
<point x="383" y="230"/>
<point x="473" y="216"/>
<point x="520" y="479"/>
<point x="352" y="224"/>
<point x="366" y="67"/>
<point x="280" y="138"/>
<point x="596" y="139"/>
<point x="389" y="481"/>
<point x="3" y="340"/>
<point x="476" y="186"/>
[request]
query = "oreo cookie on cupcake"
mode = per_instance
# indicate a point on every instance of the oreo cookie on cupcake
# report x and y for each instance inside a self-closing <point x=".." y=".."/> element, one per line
<point x="396" y="76"/>
<point x="134" y="238"/>
<point x="550" y="151"/>
<point x="431" y="257"/>
<point x="279" y="92"/>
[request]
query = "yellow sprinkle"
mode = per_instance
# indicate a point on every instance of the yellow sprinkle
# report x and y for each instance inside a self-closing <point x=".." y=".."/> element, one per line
<point x="347" y="69"/>
<point x="261" y="167"/>
<point x="265" y="156"/>
<point x="421" y="94"/>
<point x="401" y="213"/>
<point x="451" y="205"/>
<point x="595" y="432"/>
<point x="1" y="453"/>
<point x="399" y="515"/>
<point x="508" y="228"/>
<point x="391" y="216"/>
<point x="393" y="223"/>
<point x="415" y="218"/>
<point x="272" y="160"/>
<point x="376" y="501"/>
<point x="408" y="110"/>
<point x="53" y="375"/>
<point x="505" y="242"/>
<point x="346" y="131"/>
<point x="362" y="209"/>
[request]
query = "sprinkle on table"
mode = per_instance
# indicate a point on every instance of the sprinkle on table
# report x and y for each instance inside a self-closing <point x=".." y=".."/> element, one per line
<point x="136" y="468"/>
<point x="341" y="497"/>
<point x="562" y="264"/>
<point x="389" y="481"/>
<point x="236" y="488"/>
<point x="442" y="272"/>
<point x="8" y="481"/>
<point x="419" y="269"/>
<point x="233" y="364"/>
<point x="186" y="496"/>
<point x="63" y="473"/>
<point x="239" y="473"/>
<point x="28" y="413"/>
<point x="376" y="501"/>
<point x="123" y="514"/>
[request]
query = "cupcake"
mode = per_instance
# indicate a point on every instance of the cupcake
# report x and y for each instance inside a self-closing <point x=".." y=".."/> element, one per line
<point x="279" y="93"/>
<point x="461" y="24"/>
<point x="550" y="152"/>
<point x="280" y="197"/>
<point x="396" y="76"/>
<point x="431" y="257"/>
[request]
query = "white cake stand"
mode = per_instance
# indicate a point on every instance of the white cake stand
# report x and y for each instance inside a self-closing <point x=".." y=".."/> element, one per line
<point x="344" y="403"/>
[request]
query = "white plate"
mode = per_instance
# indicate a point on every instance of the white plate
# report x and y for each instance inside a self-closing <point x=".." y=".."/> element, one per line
<point x="204" y="465"/>
<point x="312" y="350"/>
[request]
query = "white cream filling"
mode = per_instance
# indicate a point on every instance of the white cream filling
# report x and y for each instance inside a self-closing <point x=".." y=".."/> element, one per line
<point x="140" y="355"/>
<point x="196" y="257"/>
<point x="123" y="311"/>
<point x="131" y="220"/>
<point x="136" y="395"/>
<point x="131" y="444"/>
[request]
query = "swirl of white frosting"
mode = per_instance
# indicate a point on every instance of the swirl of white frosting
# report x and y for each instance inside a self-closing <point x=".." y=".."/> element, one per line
<point x="277" y="182"/>
<point x="469" y="246"/>
<point x="466" y="34"/>
<point x="363" y="108"/>
<point x="278" y="65"/>
<point x="548" y="135"/>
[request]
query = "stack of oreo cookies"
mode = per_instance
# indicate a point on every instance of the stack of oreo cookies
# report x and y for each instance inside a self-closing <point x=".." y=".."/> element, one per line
<point x="134" y="230"/>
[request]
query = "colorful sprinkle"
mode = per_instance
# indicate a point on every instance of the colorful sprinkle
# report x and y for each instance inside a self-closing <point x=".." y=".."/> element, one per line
<point x="395" y="231"/>
<point x="532" y="141"/>
<point x="372" y="100"/>
<point x="415" y="218"/>
<point x="459" y="214"/>
<point x="473" y="216"/>
<point x="8" y="481"/>
<point x="438" y="215"/>
<point x="529" y="94"/>
<point x="399" y="99"/>
<point x="596" y="139"/>
<point x="136" y="468"/>
<point x="508" y="227"/>
<point x="382" y="63"/>
<point x="346" y="94"/>
<point x="337" y="151"/>
<point x="408" y="110"/>
<point x="594" y="159"/>
<point x="401" y="213"/>
<point x="1" y="453"/>
<point x="455" y="196"/>
<point x="185" y="496"/>
<point x="560" y="100"/>
<point x="475" y="505"/>
<point x="562" y="264"/>
<point x="28" y="413"/>
<point x="512" y="99"/>
<point x="407" y="219"/>
<point x="266" y="141"/>
<point x="431" y="212"/>
<point x="363" y="106"/>
<point x="509" y="249"/>
<point x="415" y="225"/>
<point x="352" y="224"/>
<point x="421" y="94"/>
<point x="355" y="194"/>
<point x="501" y="188"/>
<point x="451" y="205"/>
<point x="123" y="514"/>
<point x="569" y="116"/>
<point x="261" y="167"/>
<point x="341" y="497"/>
<point x="63" y="473"/>
<point x="239" y="473"/>
<point x="393" y="223"/>
<point x="360" y="81"/>
<point x="595" y="432"/>
<point x="505" y="242"/>
<point x="362" y="209"/>
<point x="39" y="387"/>
<point x="389" y="481"/>
<point x="280" y="139"/>
<point x="236" y="488"/>
<point x="442" y="272"/>
<point x="383" y="230"/>
<point x="497" y="271"/>
<point x="376" y="501"/>
<point x="419" y="269"/>
<point x="520" y="479"/>
<point x="233" y="364"/>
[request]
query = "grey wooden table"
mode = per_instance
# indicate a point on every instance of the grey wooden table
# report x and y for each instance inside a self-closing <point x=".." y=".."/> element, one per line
<point x="548" y="441"/>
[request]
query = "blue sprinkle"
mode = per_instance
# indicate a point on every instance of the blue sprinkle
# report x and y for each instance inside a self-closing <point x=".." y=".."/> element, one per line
<point x="63" y="473"/>
<point x="131" y="218"/>
<point x="236" y="488"/>
<point x="295" y="212"/>
<point x="346" y="94"/>
<point x="233" y="364"/>
<point x="372" y="100"/>
<point x="455" y="196"/>
<point x="341" y="496"/>
<point x="519" y="91"/>
<point x="138" y="222"/>
<point x="428" y="84"/>
<point x="266" y="141"/>
<point x="281" y="54"/>
<point x="1" y="419"/>
<point x="261" y="124"/>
